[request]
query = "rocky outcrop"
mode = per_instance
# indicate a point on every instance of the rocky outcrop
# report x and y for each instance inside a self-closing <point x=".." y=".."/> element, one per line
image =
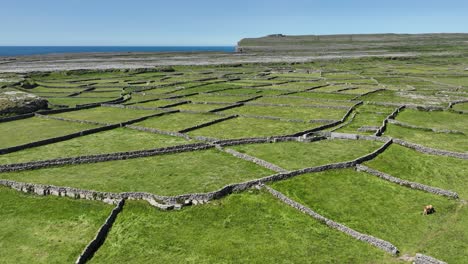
<point x="16" y="102"/>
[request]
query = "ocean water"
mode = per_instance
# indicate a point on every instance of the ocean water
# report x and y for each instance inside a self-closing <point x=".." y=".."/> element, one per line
<point x="38" y="50"/>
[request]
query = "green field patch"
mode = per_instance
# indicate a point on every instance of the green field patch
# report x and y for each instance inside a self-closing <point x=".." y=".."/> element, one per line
<point x="298" y="101"/>
<point x="73" y="101"/>
<point x="327" y="96"/>
<point x="435" y="119"/>
<point x="383" y="209"/>
<point x="41" y="89"/>
<point x="438" y="171"/>
<point x="157" y="103"/>
<point x="461" y="106"/>
<point x="107" y="114"/>
<point x="116" y="140"/>
<point x="250" y="227"/>
<point x="115" y="94"/>
<point x="340" y="76"/>
<point x="217" y="98"/>
<point x="199" y="107"/>
<point x="177" y="121"/>
<point x="33" y="129"/>
<point x="251" y="127"/>
<point x="452" y="142"/>
<point x="402" y="98"/>
<point x="298" y="155"/>
<point x="49" y="229"/>
<point x="332" y="88"/>
<point x="305" y="113"/>
<point x="361" y="90"/>
<point x="172" y="174"/>
<point x="367" y="115"/>
<point x="295" y="86"/>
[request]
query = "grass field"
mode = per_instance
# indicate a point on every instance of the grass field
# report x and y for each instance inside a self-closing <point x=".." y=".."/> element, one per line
<point x="243" y="228"/>
<point x="383" y="209"/>
<point x="248" y="226"/>
<point x="19" y="132"/>
<point x="46" y="229"/>
<point x="117" y="140"/>
<point x="298" y="155"/>
<point x="190" y="172"/>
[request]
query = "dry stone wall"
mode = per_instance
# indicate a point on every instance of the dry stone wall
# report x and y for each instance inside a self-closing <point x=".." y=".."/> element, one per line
<point x="103" y="157"/>
<point x="101" y="235"/>
<point x="377" y="242"/>
<point x="412" y="185"/>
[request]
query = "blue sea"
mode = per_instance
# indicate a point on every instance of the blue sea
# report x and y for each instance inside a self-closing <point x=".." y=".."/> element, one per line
<point x="38" y="50"/>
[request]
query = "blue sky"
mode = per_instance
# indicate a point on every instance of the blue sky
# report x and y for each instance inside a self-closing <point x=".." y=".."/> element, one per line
<point x="211" y="22"/>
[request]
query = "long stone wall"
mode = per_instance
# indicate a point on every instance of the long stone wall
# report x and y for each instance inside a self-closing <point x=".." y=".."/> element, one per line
<point x="376" y="242"/>
<point x="157" y="131"/>
<point x="101" y="235"/>
<point x="207" y="124"/>
<point x="102" y="157"/>
<point x="407" y="125"/>
<point x="431" y="151"/>
<point x="382" y="128"/>
<point x="409" y="184"/>
<point x="255" y="160"/>
<point x="56" y="139"/>
<point x="71" y="120"/>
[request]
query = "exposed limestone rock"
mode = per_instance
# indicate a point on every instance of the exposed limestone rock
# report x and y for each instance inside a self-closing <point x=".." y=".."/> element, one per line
<point x="16" y="102"/>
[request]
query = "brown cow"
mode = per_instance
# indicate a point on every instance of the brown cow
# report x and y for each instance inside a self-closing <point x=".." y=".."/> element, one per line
<point x="428" y="209"/>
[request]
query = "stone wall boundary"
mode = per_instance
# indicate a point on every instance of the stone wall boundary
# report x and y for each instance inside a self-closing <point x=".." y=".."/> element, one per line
<point x="376" y="242"/>
<point x="409" y="106"/>
<point x="300" y="106"/>
<point x="383" y="127"/>
<point x="407" y="125"/>
<point x="71" y="120"/>
<point x="101" y="235"/>
<point x="207" y="124"/>
<point x="16" y="117"/>
<point x="56" y="139"/>
<point x="33" y="165"/>
<point x="409" y="184"/>
<point x="157" y="131"/>
<point x="226" y="107"/>
<point x="431" y="151"/>
<point x="255" y="160"/>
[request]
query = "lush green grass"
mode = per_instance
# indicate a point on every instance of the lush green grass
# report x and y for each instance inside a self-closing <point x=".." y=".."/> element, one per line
<point x="217" y="98"/>
<point x="438" y="171"/>
<point x="37" y="229"/>
<point x="158" y="103"/>
<point x="385" y="210"/>
<point x="436" y="119"/>
<point x="187" y="172"/>
<point x="462" y="107"/>
<point x="327" y="96"/>
<point x="107" y="114"/>
<point x="199" y="107"/>
<point x="251" y="227"/>
<point x="33" y="129"/>
<point x="297" y="155"/>
<point x="298" y="101"/>
<point x="452" y="142"/>
<point x="73" y="101"/>
<point x="367" y="115"/>
<point x="177" y="121"/>
<point x="251" y="127"/>
<point x="116" y="140"/>
<point x="305" y="113"/>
